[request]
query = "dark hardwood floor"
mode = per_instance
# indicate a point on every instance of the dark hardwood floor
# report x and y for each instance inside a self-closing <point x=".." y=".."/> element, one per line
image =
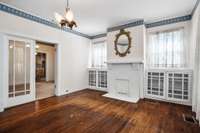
<point x="88" y="112"/>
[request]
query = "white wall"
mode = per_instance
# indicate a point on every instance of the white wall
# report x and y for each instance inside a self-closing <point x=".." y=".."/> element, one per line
<point x="137" y="45"/>
<point x="72" y="50"/>
<point x="195" y="41"/>
<point x="50" y="60"/>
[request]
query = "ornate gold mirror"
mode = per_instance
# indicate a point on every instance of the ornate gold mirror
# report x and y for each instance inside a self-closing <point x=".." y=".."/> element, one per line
<point x="123" y="43"/>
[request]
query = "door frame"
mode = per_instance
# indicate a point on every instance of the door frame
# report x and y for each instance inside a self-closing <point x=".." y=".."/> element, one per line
<point x="5" y="70"/>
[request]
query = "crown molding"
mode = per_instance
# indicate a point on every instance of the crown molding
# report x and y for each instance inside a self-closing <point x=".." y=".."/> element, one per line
<point x="169" y="21"/>
<point x="99" y="36"/>
<point x="133" y="24"/>
<point x="195" y="7"/>
<point x="17" y="12"/>
<point x="147" y="25"/>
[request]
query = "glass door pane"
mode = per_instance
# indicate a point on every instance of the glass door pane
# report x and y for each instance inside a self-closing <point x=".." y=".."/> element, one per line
<point x="28" y="67"/>
<point x="20" y="69"/>
<point x="11" y="69"/>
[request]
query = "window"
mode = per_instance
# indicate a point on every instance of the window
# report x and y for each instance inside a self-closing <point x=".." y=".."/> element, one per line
<point x="98" y="55"/>
<point x="167" y="49"/>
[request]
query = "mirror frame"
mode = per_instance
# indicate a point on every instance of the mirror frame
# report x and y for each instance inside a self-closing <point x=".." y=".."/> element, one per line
<point x="126" y="33"/>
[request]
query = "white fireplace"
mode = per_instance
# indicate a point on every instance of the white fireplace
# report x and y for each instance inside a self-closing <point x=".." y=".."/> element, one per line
<point x="125" y="80"/>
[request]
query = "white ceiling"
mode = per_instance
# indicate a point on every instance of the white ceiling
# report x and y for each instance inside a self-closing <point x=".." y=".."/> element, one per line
<point x="95" y="16"/>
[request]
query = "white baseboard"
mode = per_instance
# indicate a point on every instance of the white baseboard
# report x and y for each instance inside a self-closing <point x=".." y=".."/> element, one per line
<point x="69" y="92"/>
<point x="169" y="101"/>
<point x="1" y="109"/>
<point x="98" y="89"/>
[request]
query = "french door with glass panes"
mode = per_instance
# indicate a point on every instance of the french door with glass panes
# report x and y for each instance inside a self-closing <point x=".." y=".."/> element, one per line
<point x="20" y="72"/>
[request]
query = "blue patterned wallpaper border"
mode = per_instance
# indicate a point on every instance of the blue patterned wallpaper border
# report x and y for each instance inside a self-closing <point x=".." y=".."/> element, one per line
<point x="169" y="21"/>
<point x="99" y="36"/>
<point x="25" y="15"/>
<point x="147" y="25"/>
<point x="195" y="7"/>
<point x="133" y="24"/>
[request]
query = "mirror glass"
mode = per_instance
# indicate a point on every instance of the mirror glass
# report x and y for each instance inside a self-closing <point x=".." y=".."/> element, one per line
<point x="122" y="43"/>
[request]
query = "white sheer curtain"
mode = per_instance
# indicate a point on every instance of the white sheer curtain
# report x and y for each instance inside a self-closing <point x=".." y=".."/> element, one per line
<point x="167" y="49"/>
<point x="98" y="55"/>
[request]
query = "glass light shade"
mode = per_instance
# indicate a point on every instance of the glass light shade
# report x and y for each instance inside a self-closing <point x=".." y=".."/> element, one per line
<point x="10" y="46"/>
<point x="69" y="15"/>
<point x="27" y="45"/>
<point x="58" y="17"/>
<point x="37" y="46"/>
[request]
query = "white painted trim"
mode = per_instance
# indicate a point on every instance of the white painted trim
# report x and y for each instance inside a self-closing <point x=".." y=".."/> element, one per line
<point x="4" y="71"/>
<point x="98" y="89"/>
<point x="97" y="69"/>
<point x="69" y="92"/>
<point x="124" y="61"/>
<point x="141" y="91"/>
<point x="58" y="91"/>
<point x="168" y="101"/>
<point x="33" y="70"/>
<point x="1" y="109"/>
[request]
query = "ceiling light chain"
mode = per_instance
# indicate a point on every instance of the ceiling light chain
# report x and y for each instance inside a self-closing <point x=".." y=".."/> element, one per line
<point x="67" y="3"/>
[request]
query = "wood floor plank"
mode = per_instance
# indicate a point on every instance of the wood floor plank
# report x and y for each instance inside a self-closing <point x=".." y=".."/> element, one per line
<point x="88" y="112"/>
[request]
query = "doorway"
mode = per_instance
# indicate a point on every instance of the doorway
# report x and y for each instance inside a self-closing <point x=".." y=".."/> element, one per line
<point x="45" y="70"/>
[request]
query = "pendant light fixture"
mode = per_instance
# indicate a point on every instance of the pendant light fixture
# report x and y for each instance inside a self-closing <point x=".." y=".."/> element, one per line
<point x="67" y="20"/>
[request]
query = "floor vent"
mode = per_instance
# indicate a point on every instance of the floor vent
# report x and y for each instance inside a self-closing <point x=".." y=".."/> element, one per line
<point x="189" y="119"/>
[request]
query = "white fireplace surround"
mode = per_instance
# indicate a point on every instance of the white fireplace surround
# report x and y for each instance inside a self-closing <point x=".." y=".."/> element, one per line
<point x="125" y="80"/>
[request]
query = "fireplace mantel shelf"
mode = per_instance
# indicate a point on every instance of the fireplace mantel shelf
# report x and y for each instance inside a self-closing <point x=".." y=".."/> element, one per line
<point x="114" y="61"/>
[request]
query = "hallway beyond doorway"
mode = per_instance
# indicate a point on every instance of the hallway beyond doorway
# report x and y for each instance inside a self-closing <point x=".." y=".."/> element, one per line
<point x="45" y="70"/>
<point x="44" y="90"/>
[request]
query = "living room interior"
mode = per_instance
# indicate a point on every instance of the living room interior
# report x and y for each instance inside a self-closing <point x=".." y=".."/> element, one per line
<point x="73" y="66"/>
